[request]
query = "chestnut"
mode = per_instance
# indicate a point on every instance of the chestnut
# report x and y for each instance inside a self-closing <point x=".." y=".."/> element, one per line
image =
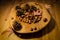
<point x="17" y="26"/>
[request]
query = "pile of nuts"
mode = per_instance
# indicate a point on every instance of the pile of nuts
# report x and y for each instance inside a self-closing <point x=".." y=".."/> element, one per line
<point x="28" y="14"/>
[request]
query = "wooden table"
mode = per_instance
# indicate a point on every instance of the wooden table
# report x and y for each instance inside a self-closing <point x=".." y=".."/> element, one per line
<point x="54" y="34"/>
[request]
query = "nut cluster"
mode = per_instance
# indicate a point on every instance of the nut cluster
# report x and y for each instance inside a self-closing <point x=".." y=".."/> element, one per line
<point x="29" y="14"/>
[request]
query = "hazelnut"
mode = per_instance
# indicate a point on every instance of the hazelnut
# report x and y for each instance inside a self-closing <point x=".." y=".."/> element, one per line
<point x="45" y="20"/>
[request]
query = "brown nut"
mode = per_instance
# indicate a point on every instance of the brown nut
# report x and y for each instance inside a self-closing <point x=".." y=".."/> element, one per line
<point x="45" y="20"/>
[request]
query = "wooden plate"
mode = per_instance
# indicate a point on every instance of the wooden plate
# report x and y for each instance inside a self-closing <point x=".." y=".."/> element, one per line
<point x="31" y="28"/>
